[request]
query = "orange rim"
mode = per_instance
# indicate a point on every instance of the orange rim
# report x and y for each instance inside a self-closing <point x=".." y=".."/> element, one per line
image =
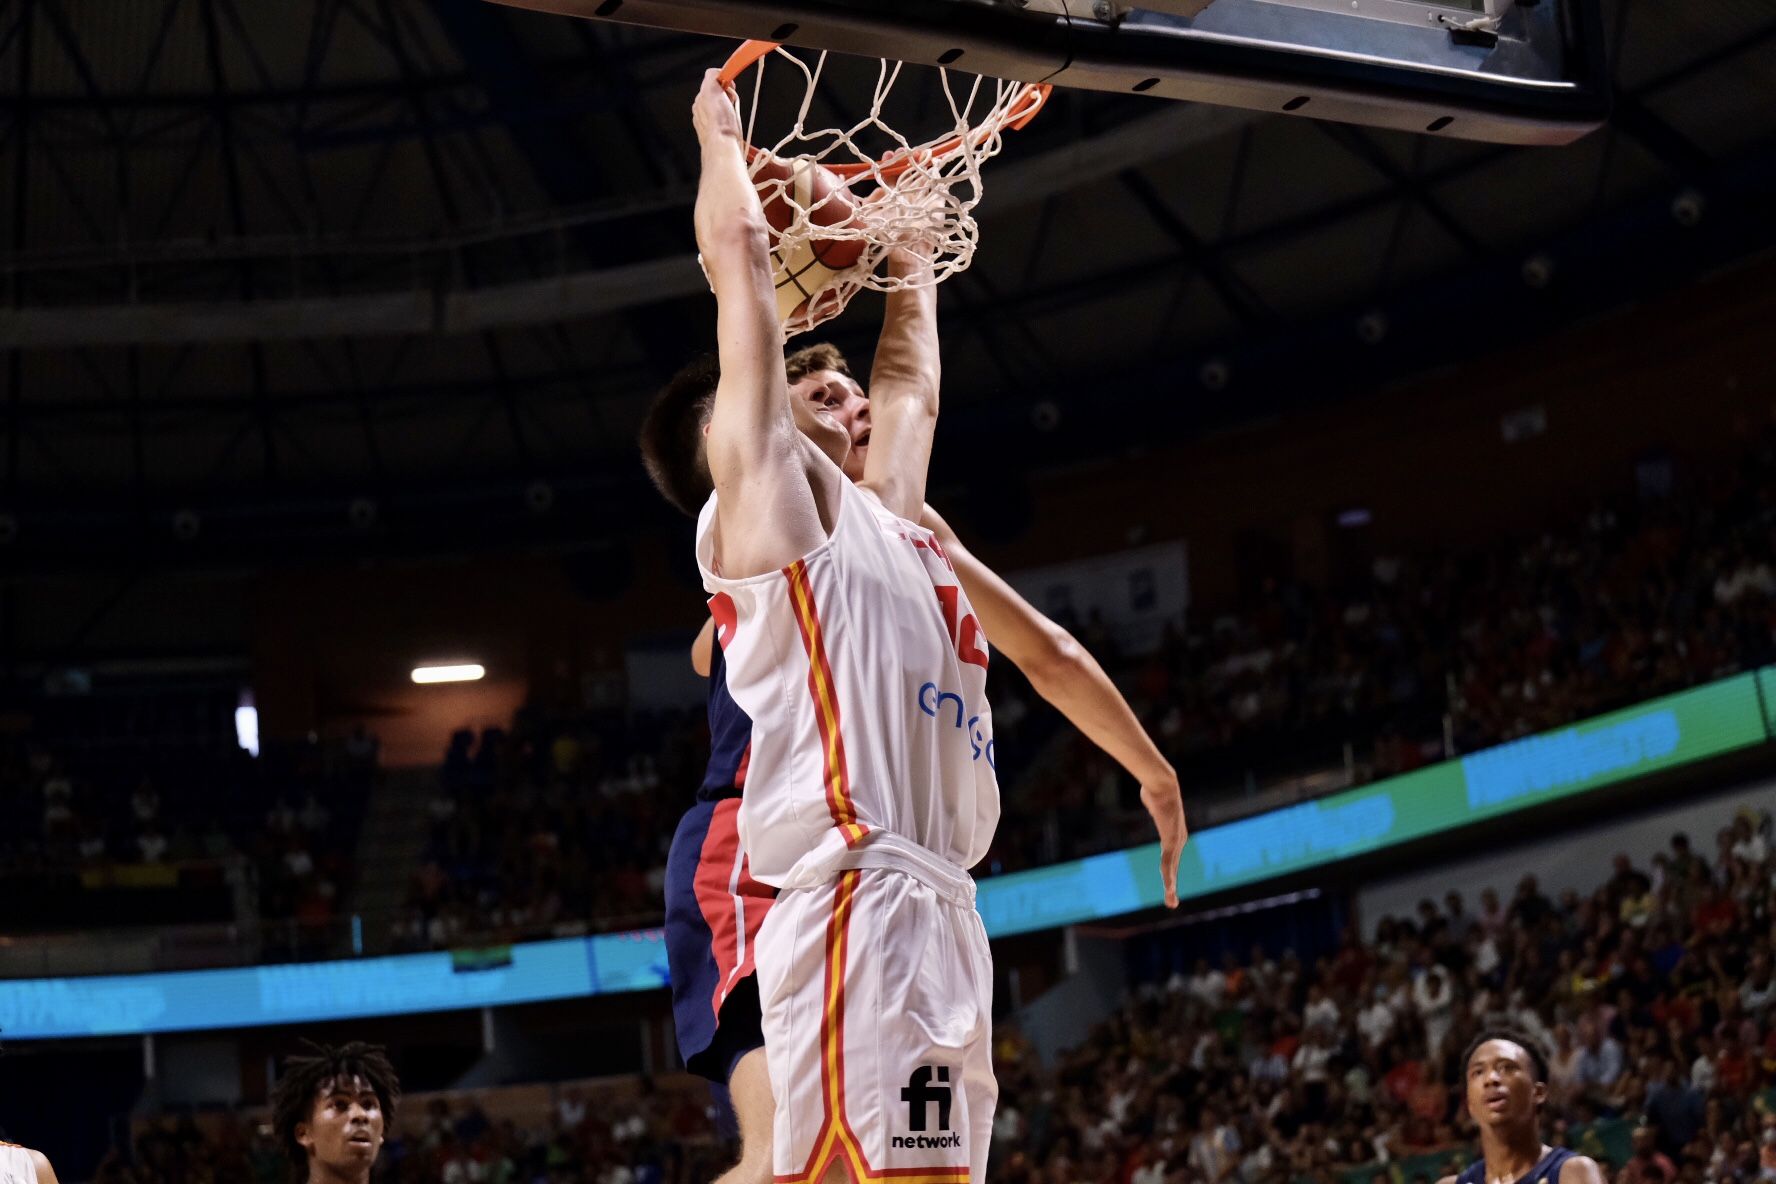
<point x="1023" y="110"/>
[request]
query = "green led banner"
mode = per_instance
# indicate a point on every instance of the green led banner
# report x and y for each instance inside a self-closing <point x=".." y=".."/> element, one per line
<point x="1767" y="693"/>
<point x="1662" y="734"/>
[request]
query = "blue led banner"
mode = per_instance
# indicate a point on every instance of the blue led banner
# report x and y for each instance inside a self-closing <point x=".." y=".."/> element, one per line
<point x="109" y="1005"/>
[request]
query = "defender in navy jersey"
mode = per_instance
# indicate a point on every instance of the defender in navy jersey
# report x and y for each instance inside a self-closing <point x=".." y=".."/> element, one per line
<point x="713" y="905"/>
<point x="1507" y="1085"/>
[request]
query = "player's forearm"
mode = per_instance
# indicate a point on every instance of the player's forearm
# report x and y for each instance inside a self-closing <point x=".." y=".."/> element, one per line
<point x="1073" y="682"/>
<point x="907" y="365"/>
<point x="903" y="391"/>
<point x="729" y="221"/>
<point x="750" y="423"/>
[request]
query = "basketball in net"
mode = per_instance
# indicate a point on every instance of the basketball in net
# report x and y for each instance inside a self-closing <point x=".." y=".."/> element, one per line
<point x="840" y="200"/>
<point x="803" y="199"/>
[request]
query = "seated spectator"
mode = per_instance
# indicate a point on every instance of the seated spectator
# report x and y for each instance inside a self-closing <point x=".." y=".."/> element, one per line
<point x="1648" y="1165"/>
<point x="1600" y="1058"/>
<point x="151" y="844"/>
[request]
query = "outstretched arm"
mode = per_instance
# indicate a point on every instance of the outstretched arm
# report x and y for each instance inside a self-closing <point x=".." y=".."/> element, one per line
<point x="765" y="509"/>
<point x="1063" y="672"/>
<point x="903" y="389"/>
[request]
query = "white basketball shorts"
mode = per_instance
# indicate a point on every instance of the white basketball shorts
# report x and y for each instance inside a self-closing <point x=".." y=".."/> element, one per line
<point x="877" y="991"/>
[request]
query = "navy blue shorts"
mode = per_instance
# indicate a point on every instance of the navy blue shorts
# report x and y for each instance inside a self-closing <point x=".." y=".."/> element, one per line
<point x="713" y="911"/>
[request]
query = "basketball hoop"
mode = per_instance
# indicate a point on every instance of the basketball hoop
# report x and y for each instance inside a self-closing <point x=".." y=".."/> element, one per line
<point x="837" y="209"/>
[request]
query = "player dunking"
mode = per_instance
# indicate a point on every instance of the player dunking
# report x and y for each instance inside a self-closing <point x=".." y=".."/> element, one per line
<point x="714" y="907"/>
<point x="1507" y="1085"/>
<point x="330" y="1110"/>
<point x="21" y="1165"/>
<point x="838" y="615"/>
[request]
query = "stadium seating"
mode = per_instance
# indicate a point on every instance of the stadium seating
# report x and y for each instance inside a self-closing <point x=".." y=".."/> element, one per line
<point x="560" y="825"/>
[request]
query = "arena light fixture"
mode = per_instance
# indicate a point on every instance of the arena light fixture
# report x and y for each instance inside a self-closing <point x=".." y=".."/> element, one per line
<point x="246" y="728"/>
<point x="461" y="672"/>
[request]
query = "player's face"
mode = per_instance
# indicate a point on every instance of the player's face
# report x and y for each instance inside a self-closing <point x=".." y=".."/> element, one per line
<point x="1502" y="1089"/>
<point x="344" y="1130"/>
<point x="817" y="422"/>
<point x="840" y="395"/>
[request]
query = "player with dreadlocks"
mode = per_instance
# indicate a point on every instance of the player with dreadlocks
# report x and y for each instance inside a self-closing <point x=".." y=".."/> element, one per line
<point x="330" y="1109"/>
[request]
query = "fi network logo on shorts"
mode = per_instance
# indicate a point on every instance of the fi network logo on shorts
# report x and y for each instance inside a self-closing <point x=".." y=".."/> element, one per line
<point x="919" y="1095"/>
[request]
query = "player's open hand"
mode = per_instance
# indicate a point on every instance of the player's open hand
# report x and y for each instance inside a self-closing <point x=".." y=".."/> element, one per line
<point x="1166" y="805"/>
<point x="716" y="112"/>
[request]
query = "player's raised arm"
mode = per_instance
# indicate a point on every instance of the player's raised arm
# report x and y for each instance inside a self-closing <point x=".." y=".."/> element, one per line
<point x="1065" y="674"/>
<point x="904" y="382"/>
<point x="766" y="512"/>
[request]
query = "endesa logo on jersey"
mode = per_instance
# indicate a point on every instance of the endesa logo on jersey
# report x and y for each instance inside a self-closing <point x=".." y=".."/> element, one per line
<point x="947" y="707"/>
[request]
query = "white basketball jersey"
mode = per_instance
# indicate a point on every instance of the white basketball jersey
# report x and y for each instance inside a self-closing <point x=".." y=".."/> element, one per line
<point x="864" y="671"/>
<point x="16" y="1166"/>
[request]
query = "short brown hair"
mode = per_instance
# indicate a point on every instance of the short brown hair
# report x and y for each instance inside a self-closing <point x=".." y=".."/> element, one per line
<point x="808" y="359"/>
<point x="672" y="435"/>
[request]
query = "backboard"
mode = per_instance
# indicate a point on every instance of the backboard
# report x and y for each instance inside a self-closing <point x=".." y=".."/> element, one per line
<point x="1506" y="71"/>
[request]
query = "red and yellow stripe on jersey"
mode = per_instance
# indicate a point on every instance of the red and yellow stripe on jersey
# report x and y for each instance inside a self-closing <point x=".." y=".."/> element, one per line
<point x="824" y="689"/>
<point x="836" y="1139"/>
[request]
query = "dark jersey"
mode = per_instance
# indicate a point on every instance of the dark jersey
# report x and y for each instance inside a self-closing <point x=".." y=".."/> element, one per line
<point x="730" y="737"/>
<point x="1545" y="1172"/>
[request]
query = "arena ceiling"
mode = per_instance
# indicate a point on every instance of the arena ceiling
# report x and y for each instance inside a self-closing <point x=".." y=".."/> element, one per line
<point x="379" y="268"/>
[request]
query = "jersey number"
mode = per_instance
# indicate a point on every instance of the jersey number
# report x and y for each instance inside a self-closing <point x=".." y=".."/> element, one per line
<point x="965" y="634"/>
<point x="727" y="617"/>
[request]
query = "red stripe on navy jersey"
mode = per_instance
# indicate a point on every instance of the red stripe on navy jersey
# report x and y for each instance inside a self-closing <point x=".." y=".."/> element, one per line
<point x="755" y="898"/>
<point x="715" y="872"/>
<point x="732" y="902"/>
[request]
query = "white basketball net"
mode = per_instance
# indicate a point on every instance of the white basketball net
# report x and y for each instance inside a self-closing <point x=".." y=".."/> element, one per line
<point x="914" y="194"/>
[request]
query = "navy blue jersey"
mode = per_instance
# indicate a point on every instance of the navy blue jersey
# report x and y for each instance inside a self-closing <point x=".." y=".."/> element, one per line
<point x="730" y="737"/>
<point x="713" y="905"/>
<point x="1545" y="1172"/>
<point x="713" y="913"/>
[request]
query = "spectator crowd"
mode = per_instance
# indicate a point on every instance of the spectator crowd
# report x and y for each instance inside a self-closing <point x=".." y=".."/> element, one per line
<point x="564" y="821"/>
<point x="1651" y="997"/>
<point x="560" y="823"/>
<point x="1429" y="656"/>
<point x="148" y="794"/>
